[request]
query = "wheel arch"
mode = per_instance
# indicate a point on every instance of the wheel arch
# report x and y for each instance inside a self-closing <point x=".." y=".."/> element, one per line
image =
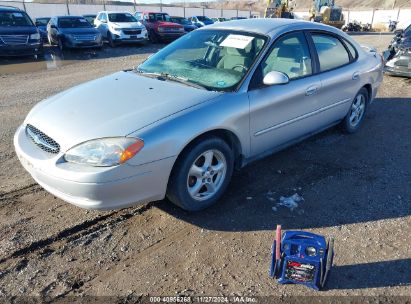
<point x="228" y="136"/>
<point x="368" y="87"/>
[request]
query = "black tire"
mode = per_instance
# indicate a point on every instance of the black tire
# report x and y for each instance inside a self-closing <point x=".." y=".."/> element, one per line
<point x="60" y="45"/>
<point x="347" y="124"/>
<point x="177" y="190"/>
<point x="111" y="42"/>
<point x="153" y="37"/>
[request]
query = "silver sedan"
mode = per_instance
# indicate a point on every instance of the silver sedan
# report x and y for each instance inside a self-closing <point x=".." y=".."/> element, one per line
<point x="211" y="102"/>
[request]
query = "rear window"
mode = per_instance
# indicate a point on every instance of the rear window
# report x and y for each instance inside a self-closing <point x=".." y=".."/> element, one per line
<point x="331" y="52"/>
<point x="15" y="19"/>
<point x="42" y="21"/>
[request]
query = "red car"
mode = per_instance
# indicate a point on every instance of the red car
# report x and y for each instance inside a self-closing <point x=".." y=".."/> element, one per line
<point x="159" y="26"/>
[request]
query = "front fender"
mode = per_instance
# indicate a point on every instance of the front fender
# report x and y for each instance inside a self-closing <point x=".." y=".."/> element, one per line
<point x="169" y="136"/>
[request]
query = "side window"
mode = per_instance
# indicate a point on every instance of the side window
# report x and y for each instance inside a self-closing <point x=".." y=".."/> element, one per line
<point x="289" y="55"/>
<point x="351" y="49"/>
<point x="98" y="16"/>
<point x="331" y="52"/>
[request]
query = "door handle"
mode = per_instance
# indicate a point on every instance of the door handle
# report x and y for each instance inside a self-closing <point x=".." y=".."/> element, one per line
<point x="311" y="91"/>
<point x="355" y="76"/>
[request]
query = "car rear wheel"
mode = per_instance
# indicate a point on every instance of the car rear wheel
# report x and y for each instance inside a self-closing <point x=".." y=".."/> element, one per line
<point x="153" y="37"/>
<point x="60" y="45"/>
<point x="201" y="174"/>
<point x="353" y="120"/>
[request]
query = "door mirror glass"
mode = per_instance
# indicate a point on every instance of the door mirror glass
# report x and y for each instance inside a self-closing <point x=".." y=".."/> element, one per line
<point x="398" y="33"/>
<point x="275" y="77"/>
<point x="53" y="26"/>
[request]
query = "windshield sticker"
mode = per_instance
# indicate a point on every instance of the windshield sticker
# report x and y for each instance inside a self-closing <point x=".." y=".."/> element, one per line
<point x="237" y="41"/>
<point x="17" y="14"/>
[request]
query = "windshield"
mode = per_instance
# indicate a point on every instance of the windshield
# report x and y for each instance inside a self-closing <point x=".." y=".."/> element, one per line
<point x="90" y="19"/>
<point x="42" y="21"/>
<point x="214" y="59"/>
<point x="203" y="18"/>
<point x="121" y="17"/>
<point x="159" y="17"/>
<point x="73" y="23"/>
<point x="180" y="20"/>
<point x="15" y="19"/>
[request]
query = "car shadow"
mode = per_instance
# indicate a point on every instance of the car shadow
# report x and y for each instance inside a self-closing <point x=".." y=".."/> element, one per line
<point x="343" y="179"/>
<point x="370" y="275"/>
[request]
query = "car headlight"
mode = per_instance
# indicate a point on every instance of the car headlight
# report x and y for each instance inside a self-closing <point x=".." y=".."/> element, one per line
<point x="161" y="29"/>
<point x="181" y="29"/>
<point x="104" y="152"/>
<point x="117" y="29"/>
<point x="35" y="36"/>
<point x="310" y="251"/>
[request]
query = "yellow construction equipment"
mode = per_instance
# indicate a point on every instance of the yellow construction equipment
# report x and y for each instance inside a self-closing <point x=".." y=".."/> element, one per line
<point x="279" y="9"/>
<point x="325" y="11"/>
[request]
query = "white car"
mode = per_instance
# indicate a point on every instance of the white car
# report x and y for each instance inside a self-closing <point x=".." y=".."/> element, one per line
<point x="120" y="27"/>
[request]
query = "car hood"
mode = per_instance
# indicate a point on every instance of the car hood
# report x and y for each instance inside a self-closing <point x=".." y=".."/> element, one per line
<point x="17" y="30"/>
<point x="115" y="105"/>
<point x="77" y="31"/>
<point x="166" y="23"/>
<point x="126" y="25"/>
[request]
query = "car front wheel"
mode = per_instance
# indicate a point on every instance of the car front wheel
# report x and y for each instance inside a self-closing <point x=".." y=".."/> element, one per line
<point x="201" y="174"/>
<point x="356" y="114"/>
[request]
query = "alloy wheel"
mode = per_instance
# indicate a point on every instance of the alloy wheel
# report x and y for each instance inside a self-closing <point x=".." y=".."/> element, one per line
<point x="206" y="175"/>
<point x="357" y="110"/>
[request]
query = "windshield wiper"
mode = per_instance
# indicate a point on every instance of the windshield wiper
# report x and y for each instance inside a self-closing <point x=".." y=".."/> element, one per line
<point x="175" y="78"/>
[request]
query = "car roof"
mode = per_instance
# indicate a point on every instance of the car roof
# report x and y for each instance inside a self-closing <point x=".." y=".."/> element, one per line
<point x="7" y="8"/>
<point x="266" y="26"/>
<point x="115" y="12"/>
<point x="71" y="17"/>
<point x="152" y="12"/>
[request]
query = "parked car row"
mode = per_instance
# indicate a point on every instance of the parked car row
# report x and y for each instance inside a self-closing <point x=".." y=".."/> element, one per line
<point x="19" y="35"/>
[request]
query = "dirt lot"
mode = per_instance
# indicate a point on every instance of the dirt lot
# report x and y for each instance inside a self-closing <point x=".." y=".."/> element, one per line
<point x="356" y="188"/>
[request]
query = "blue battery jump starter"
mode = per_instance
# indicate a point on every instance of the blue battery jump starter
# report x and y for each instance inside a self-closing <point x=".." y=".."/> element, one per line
<point x="301" y="257"/>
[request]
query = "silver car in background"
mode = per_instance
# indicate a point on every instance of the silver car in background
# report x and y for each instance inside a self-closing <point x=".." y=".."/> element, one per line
<point x="181" y="122"/>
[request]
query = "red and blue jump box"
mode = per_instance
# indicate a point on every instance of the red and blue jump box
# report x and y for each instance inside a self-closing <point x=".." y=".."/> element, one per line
<point x="300" y="257"/>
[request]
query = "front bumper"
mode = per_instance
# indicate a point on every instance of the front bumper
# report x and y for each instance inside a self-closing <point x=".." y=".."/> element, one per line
<point x="83" y="44"/>
<point x="21" y="50"/>
<point x="170" y="36"/>
<point x="120" y="36"/>
<point x="100" y="188"/>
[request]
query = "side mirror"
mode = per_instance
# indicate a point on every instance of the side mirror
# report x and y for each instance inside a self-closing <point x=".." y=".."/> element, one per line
<point x="275" y="77"/>
<point x="53" y="26"/>
<point x="398" y="33"/>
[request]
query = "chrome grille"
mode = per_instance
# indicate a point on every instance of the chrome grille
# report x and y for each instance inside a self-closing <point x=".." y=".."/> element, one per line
<point x="85" y="37"/>
<point x="42" y="140"/>
<point x="14" y="39"/>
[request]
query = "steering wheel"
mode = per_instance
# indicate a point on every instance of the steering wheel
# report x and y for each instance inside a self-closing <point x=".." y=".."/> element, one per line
<point x="239" y="66"/>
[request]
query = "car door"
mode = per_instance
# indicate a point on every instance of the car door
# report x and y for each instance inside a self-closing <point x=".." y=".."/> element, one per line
<point x="338" y="72"/>
<point x="282" y="113"/>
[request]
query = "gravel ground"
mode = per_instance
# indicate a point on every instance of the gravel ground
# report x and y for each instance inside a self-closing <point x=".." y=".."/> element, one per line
<point x="356" y="188"/>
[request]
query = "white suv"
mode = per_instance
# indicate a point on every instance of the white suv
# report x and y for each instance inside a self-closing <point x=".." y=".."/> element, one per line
<point x="119" y="27"/>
